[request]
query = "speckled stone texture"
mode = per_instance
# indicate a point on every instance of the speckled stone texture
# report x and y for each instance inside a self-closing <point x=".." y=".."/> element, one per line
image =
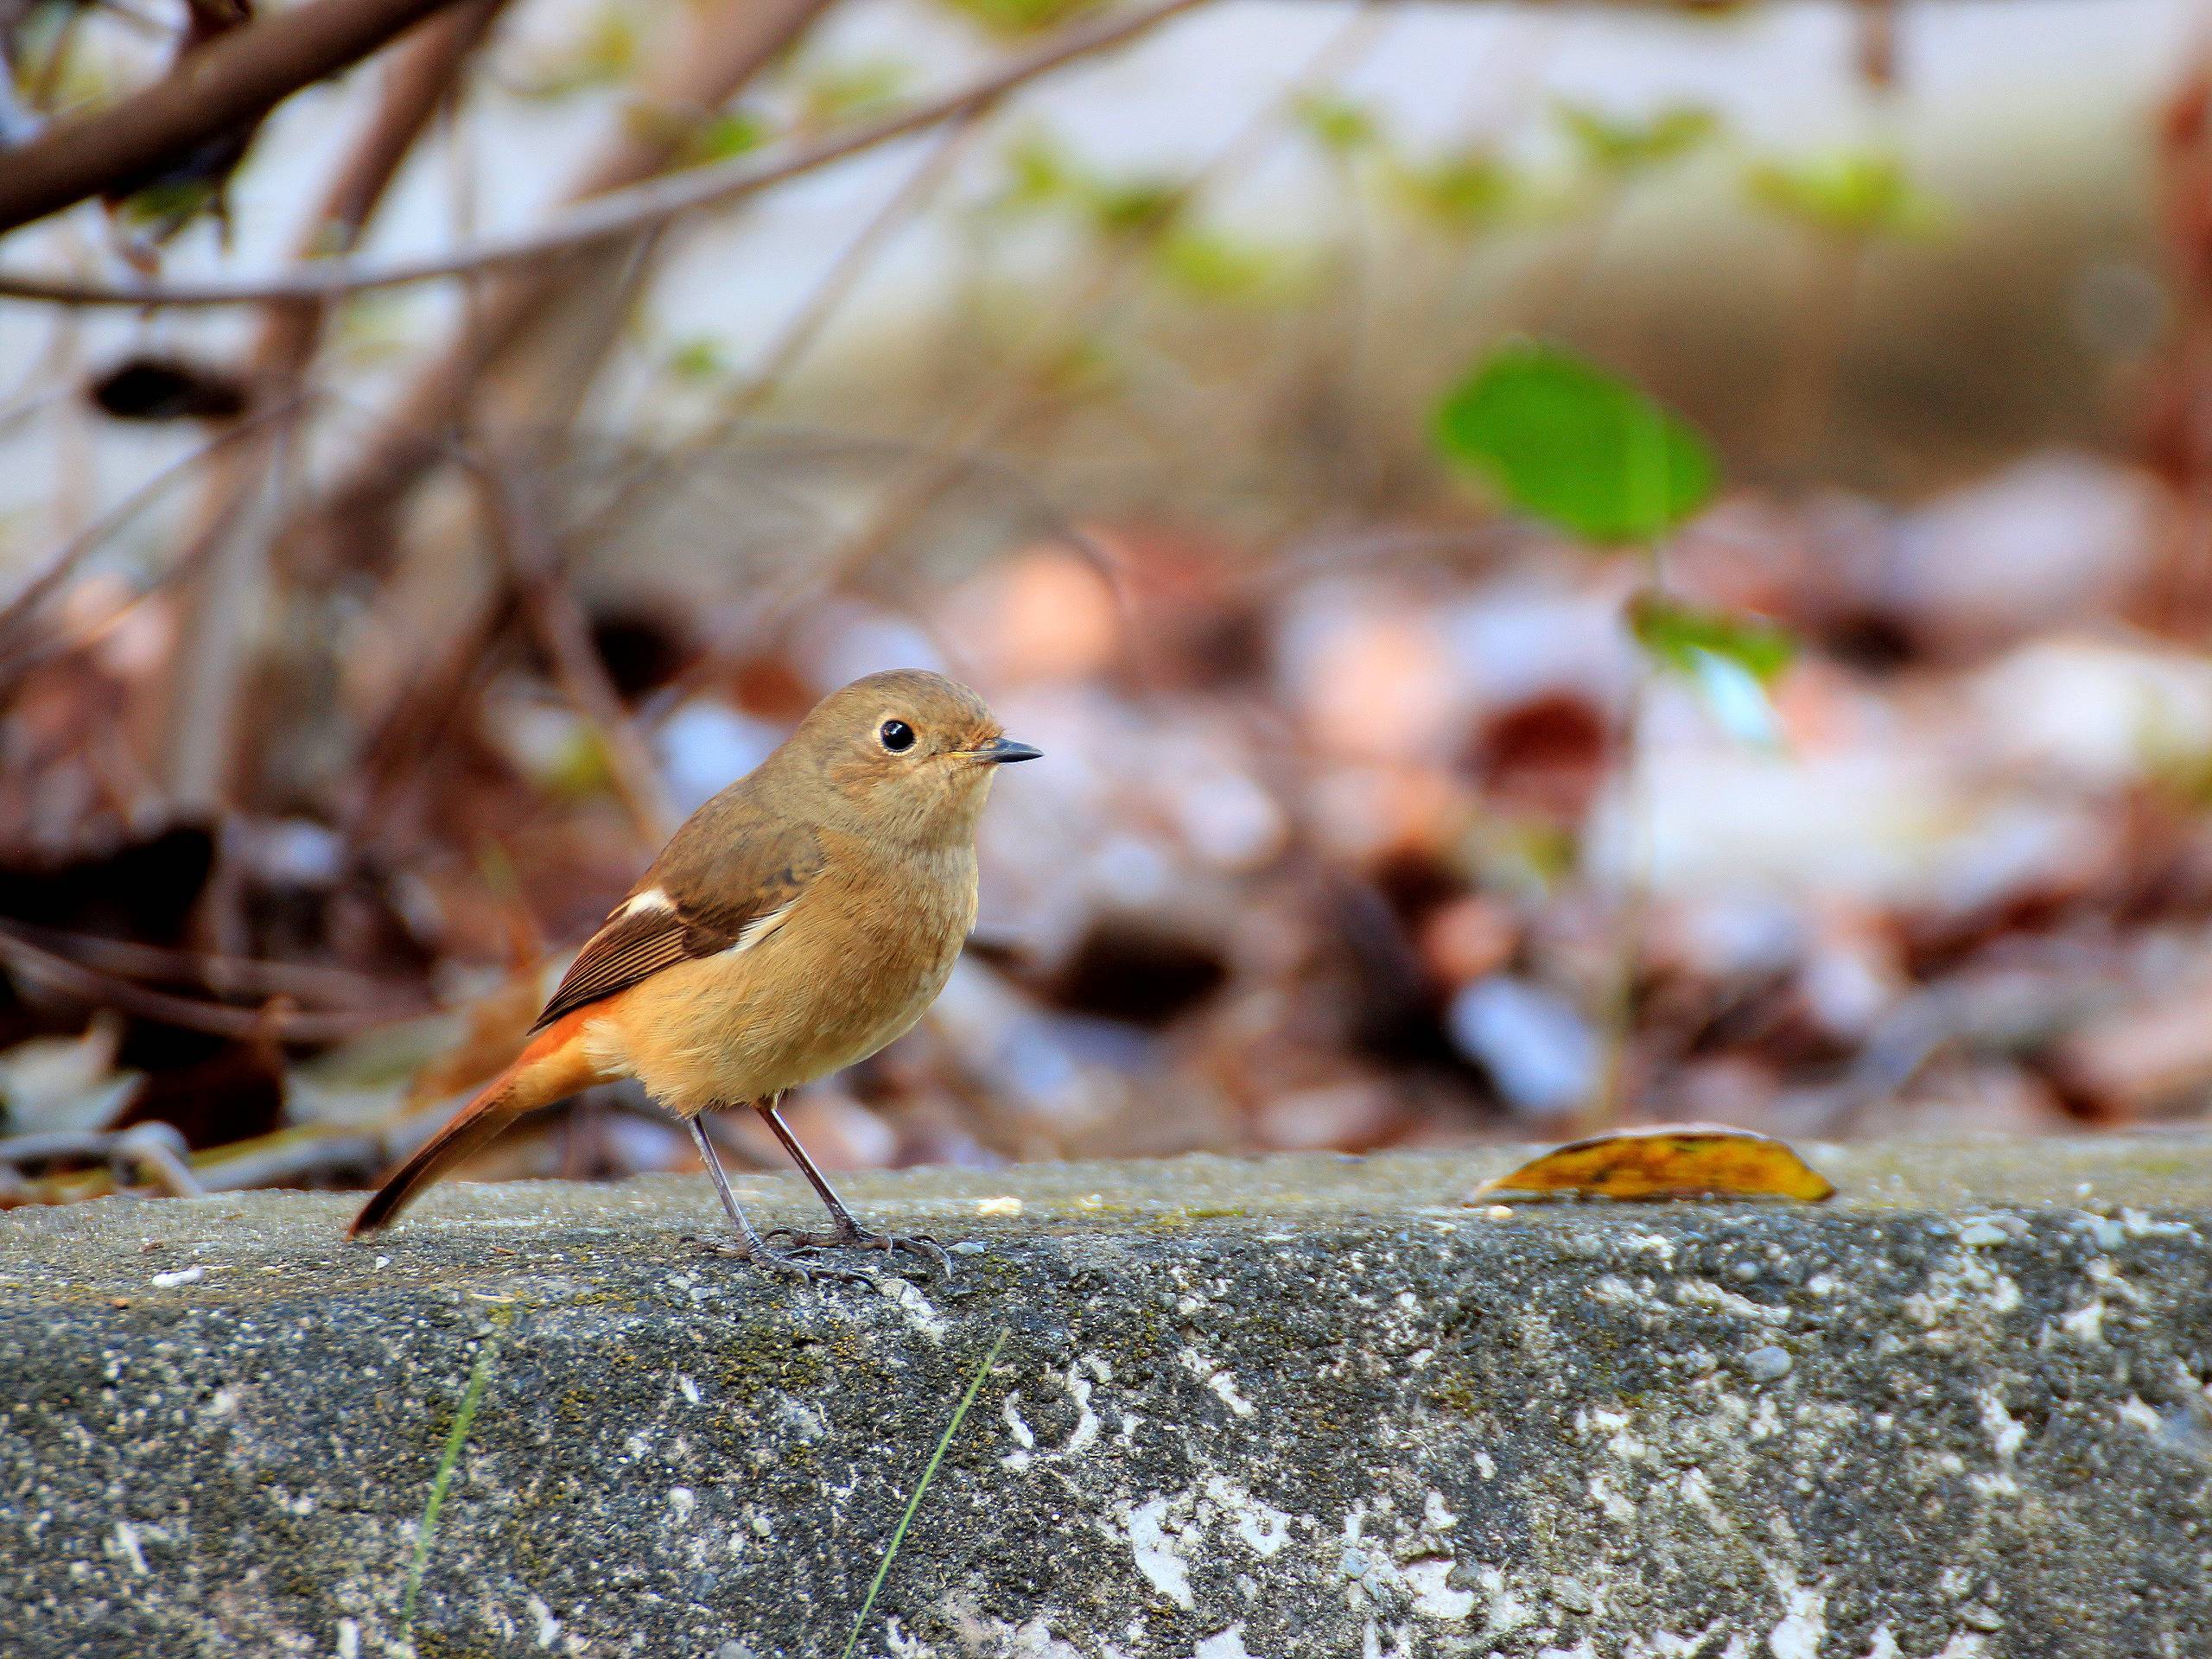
<point x="1299" y="1406"/>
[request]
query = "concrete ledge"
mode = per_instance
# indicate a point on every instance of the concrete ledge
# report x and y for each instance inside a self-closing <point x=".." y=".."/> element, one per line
<point x="1300" y="1407"/>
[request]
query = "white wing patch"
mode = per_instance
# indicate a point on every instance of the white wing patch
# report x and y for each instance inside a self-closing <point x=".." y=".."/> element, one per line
<point x="760" y="927"/>
<point x="651" y="899"/>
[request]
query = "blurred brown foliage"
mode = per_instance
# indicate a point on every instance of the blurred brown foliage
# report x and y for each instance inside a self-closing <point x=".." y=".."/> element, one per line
<point x="1366" y="820"/>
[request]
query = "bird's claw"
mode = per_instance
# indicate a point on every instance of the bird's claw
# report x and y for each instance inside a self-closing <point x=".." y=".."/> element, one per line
<point x="919" y="1245"/>
<point x="787" y="1263"/>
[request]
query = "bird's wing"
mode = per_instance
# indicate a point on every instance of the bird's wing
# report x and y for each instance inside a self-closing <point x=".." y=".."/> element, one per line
<point x="723" y="882"/>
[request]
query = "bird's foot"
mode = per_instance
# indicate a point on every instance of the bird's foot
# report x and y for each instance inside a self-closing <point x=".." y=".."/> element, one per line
<point x="779" y="1262"/>
<point x="921" y="1244"/>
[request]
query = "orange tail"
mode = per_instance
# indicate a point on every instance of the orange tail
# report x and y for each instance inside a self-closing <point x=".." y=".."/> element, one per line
<point x="553" y="1067"/>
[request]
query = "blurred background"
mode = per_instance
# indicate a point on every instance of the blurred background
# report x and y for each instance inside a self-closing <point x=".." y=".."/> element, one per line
<point x="1572" y="566"/>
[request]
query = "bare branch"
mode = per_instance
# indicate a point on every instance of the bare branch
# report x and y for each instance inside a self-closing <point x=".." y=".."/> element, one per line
<point x="798" y="335"/>
<point x="235" y="81"/>
<point x="418" y="82"/>
<point x="32" y="592"/>
<point x="570" y="311"/>
<point x="236" y="976"/>
<point x="838" y="284"/>
<point x="276" y="1020"/>
<point x="621" y="212"/>
<point x="229" y="559"/>
<point x="564" y="633"/>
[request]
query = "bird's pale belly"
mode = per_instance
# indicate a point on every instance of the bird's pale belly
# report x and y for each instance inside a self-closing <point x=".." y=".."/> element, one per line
<point x="748" y="1024"/>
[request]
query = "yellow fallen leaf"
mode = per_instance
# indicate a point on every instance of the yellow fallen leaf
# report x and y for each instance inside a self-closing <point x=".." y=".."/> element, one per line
<point x="1667" y="1161"/>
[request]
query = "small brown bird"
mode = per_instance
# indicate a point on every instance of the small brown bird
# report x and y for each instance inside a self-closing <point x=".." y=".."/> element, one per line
<point x="796" y="922"/>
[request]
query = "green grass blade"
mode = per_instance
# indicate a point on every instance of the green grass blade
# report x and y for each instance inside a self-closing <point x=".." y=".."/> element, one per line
<point x="929" y="1473"/>
<point x="479" y="1379"/>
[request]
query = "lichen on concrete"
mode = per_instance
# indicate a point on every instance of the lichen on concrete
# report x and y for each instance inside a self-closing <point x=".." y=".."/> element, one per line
<point x="1306" y="1406"/>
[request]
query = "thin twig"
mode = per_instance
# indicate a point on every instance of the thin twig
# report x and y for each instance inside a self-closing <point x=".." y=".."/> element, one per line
<point x="528" y="354"/>
<point x="564" y="633"/>
<point x="530" y="343"/>
<point x="225" y="975"/>
<point x="798" y="335"/>
<point x="35" y="402"/>
<point x="231" y="83"/>
<point x="772" y="600"/>
<point x="67" y="558"/>
<point x="276" y="1020"/>
<point x="214" y="658"/>
<point x="992" y="418"/>
<point x="621" y="212"/>
<point x="434" y="694"/>
<point x="806" y="326"/>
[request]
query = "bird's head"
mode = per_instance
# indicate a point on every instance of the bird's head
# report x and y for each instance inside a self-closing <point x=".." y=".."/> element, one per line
<point x="908" y="753"/>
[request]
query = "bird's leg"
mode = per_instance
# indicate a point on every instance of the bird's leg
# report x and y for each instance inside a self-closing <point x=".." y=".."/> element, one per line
<point x="749" y="1243"/>
<point x="848" y="1229"/>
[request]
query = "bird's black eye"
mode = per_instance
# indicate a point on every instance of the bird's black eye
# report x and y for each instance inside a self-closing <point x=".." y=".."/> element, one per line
<point x="897" y="736"/>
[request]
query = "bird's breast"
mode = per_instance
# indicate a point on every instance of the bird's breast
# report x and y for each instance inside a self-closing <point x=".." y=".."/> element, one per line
<point x="854" y="965"/>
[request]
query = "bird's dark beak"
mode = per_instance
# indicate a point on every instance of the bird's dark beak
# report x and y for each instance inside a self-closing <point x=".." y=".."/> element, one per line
<point x="1001" y="751"/>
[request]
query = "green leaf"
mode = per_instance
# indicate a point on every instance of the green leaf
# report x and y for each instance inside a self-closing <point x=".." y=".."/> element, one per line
<point x="1732" y="660"/>
<point x="732" y="132"/>
<point x="580" y="770"/>
<point x="1038" y="174"/>
<point x="1621" y="147"/>
<point x="1215" y="266"/>
<point x="372" y="328"/>
<point x="1854" y="193"/>
<point x="1081" y="367"/>
<point x="1021" y="17"/>
<point x="1469" y="191"/>
<point x="698" y="359"/>
<point x="1337" y="124"/>
<point x="1574" y="446"/>
<point x="172" y="202"/>
<point x="836" y="93"/>
<point x="605" y="54"/>
<point x="1671" y="633"/>
<point x="1043" y="176"/>
<point x="1136" y="207"/>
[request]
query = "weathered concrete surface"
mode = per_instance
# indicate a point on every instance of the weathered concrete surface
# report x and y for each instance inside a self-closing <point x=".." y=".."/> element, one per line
<point x="1304" y="1407"/>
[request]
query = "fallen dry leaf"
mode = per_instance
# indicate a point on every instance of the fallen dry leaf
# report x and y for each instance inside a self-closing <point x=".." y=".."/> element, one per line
<point x="1667" y="1161"/>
